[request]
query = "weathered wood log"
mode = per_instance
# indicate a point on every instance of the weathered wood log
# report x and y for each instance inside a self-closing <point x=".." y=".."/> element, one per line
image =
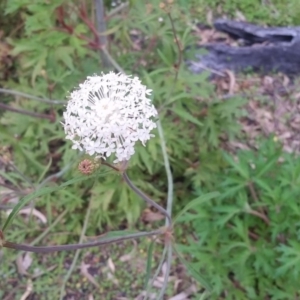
<point x="263" y="49"/>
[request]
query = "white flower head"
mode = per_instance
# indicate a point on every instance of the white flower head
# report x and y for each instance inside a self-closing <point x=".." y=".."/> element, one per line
<point x="108" y="114"/>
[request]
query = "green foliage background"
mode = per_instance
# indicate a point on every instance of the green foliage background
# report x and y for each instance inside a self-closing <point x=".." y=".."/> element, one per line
<point x="50" y="58"/>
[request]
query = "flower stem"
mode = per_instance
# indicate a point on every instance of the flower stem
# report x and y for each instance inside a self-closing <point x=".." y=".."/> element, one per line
<point x="146" y="198"/>
<point x="71" y="247"/>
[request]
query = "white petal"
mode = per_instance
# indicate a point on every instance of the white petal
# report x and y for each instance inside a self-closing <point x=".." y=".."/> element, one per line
<point x="108" y="114"/>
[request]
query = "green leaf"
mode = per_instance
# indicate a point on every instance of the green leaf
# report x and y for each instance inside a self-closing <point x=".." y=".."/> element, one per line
<point x="182" y="112"/>
<point x="45" y="191"/>
<point x="198" y="201"/>
<point x="45" y="170"/>
<point x="23" y="47"/>
<point x="289" y="260"/>
<point x="164" y="58"/>
<point x="12" y="178"/>
<point x="146" y="159"/>
<point x="241" y="168"/>
<point x="229" y="212"/>
<point x="263" y="185"/>
<point x="195" y="273"/>
<point x="272" y="161"/>
<point x="39" y="66"/>
<point x="64" y="54"/>
<point x="179" y="96"/>
<point x="149" y="263"/>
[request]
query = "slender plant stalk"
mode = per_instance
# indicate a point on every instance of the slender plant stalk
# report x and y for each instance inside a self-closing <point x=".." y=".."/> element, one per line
<point x="169" y="207"/>
<point x="82" y="235"/>
<point x="178" y="64"/>
<point x="260" y="215"/>
<point x="168" y="270"/>
<point x="101" y="25"/>
<point x="71" y="247"/>
<point x="49" y="228"/>
<point x="156" y="272"/>
<point x="24" y="95"/>
<point x="168" y="170"/>
<point x="106" y="58"/>
<point x="178" y="47"/>
<point x="146" y="198"/>
<point x="27" y="113"/>
<point x="41" y="236"/>
<point x="56" y="175"/>
<point x="10" y="164"/>
<point x="167" y="167"/>
<point x="9" y="187"/>
<point x="255" y="198"/>
<point x="112" y="61"/>
<point x="117" y="9"/>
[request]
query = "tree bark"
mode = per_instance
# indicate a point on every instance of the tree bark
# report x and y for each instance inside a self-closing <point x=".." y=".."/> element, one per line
<point x="274" y="49"/>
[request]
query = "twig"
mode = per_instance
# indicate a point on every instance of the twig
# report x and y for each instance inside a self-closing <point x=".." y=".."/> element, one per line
<point x="252" y="191"/>
<point x="28" y="113"/>
<point x="260" y="215"/>
<point x="179" y="62"/>
<point x="16" y="93"/>
<point x="84" y="16"/>
<point x="254" y="196"/>
<point x="177" y="66"/>
<point x="28" y="291"/>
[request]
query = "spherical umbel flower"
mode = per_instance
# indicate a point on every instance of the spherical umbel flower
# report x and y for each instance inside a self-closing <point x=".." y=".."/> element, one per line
<point x="108" y="114"/>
